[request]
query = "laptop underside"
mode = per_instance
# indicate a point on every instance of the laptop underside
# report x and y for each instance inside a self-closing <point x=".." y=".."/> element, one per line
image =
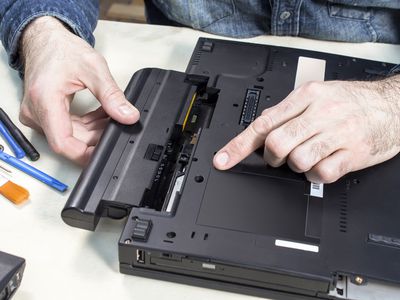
<point x="253" y="229"/>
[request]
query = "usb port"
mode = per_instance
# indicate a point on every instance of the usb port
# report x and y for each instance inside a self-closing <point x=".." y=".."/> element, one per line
<point x="140" y="256"/>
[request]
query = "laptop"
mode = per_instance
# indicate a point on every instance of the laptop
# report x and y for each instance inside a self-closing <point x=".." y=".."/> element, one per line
<point x="11" y="272"/>
<point x="253" y="229"/>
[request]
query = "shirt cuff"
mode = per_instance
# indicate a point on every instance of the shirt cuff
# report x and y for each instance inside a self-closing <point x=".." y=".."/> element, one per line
<point x="81" y="18"/>
<point x="395" y="70"/>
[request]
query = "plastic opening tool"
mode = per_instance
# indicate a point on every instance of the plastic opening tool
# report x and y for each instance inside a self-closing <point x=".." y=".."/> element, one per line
<point x="19" y="137"/>
<point x="19" y="153"/>
<point x="32" y="171"/>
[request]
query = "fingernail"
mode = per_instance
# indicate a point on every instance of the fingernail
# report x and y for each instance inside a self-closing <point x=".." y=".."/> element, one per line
<point x="126" y="109"/>
<point x="222" y="159"/>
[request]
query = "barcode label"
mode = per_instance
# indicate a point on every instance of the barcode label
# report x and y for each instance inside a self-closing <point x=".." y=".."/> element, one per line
<point x="317" y="190"/>
<point x="298" y="246"/>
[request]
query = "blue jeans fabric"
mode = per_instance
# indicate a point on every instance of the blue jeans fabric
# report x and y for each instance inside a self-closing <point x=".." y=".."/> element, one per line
<point x="80" y="15"/>
<point x="339" y="20"/>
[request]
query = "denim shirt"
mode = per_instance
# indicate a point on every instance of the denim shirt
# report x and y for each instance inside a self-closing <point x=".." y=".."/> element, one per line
<point x="339" y="20"/>
<point x="80" y="15"/>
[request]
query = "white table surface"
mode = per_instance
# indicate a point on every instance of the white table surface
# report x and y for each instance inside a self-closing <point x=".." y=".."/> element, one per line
<point x="69" y="263"/>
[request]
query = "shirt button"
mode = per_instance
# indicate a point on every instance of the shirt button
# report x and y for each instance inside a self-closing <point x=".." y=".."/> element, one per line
<point x="284" y="15"/>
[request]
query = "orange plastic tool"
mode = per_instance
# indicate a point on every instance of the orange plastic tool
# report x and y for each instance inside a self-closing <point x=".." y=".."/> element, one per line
<point x="13" y="192"/>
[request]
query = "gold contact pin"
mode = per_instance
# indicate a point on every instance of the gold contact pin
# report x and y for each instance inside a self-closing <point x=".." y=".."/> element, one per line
<point x="188" y="112"/>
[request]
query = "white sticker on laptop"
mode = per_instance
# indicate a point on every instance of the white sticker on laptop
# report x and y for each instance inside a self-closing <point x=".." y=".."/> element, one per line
<point x="309" y="69"/>
<point x="297" y="246"/>
<point x="317" y="190"/>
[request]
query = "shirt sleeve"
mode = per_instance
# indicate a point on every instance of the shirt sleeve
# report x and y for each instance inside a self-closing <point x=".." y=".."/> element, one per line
<point x="395" y="70"/>
<point x="15" y="15"/>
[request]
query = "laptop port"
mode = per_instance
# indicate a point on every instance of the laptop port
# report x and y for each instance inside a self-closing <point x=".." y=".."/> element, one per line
<point x="250" y="107"/>
<point x="140" y="256"/>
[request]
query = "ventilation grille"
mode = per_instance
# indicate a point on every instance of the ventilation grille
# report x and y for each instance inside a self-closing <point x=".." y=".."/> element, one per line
<point x="196" y="57"/>
<point x="271" y="60"/>
<point x="343" y="213"/>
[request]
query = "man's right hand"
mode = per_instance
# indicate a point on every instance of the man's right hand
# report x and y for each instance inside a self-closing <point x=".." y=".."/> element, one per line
<point x="57" y="65"/>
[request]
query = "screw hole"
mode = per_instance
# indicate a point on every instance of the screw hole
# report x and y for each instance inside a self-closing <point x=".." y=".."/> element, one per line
<point x="131" y="142"/>
<point x="268" y="98"/>
<point x="199" y="179"/>
<point x="235" y="105"/>
<point x="171" y="234"/>
<point x="260" y="79"/>
<point x="146" y="110"/>
<point x="195" y="159"/>
<point x="115" y="177"/>
<point x="206" y="236"/>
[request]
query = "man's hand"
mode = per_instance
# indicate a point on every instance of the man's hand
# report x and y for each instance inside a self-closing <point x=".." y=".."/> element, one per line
<point x="324" y="129"/>
<point x="57" y="65"/>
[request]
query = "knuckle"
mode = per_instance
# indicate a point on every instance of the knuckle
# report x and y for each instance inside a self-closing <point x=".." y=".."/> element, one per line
<point x="327" y="174"/>
<point x="274" y="145"/>
<point x="343" y="168"/>
<point x="34" y="92"/>
<point x="311" y="87"/>
<point x="238" y="146"/>
<point x="111" y="93"/>
<point x="298" y="160"/>
<point x="24" y="112"/>
<point x="319" y="150"/>
<point x="286" y="106"/>
<point x="57" y="146"/>
<point x="298" y="127"/>
<point x="262" y="125"/>
<point x="24" y="118"/>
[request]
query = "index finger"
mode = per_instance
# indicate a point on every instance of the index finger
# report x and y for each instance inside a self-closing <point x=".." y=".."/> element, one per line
<point x="57" y="126"/>
<point x="243" y="144"/>
<point x="255" y="134"/>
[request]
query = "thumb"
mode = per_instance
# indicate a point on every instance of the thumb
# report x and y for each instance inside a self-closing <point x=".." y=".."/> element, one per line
<point x="115" y="104"/>
<point x="112" y="99"/>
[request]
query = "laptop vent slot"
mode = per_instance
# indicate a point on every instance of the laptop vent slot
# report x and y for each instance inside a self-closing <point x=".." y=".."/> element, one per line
<point x="196" y="57"/>
<point x="343" y="213"/>
<point x="271" y="60"/>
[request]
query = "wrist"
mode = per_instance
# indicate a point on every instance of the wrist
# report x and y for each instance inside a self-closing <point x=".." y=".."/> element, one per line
<point x="38" y="32"/>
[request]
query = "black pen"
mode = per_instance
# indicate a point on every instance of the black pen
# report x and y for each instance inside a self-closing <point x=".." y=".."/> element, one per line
<point x="19" y="137"/>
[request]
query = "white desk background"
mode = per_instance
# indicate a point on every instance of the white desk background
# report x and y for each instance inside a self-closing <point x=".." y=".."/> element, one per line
<point x="69" y="263"/>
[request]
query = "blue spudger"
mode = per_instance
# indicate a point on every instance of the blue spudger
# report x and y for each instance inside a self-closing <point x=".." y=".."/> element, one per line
<point x="19" y="153"/>
<point x="35" y="173"/>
